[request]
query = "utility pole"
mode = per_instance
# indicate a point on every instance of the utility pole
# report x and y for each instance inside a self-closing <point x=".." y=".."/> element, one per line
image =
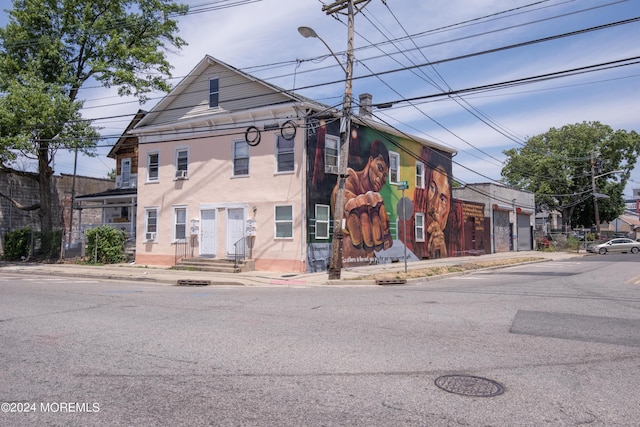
<point x="335" y="263"/>
<point x="595" y="197"/>
<point x="73" y="196"/>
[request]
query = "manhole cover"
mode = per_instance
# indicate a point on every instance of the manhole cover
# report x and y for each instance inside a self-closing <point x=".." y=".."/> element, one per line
<point x="469" y="385"/>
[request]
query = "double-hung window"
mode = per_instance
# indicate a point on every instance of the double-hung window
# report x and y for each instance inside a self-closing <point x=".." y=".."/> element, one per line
<point x="240" y="158"/>
<point x="182" y="163"/>
<point x="419" y="227"/>
<point x="214" y="93"/>
<point x="179" y="223"/>
<point x="284" y="222"/>
<point x="394" y="167"/>
<point x="322" y="221"/>
<point x="153" y="167"/>
<point x="284" y="154"/>
<point x="125" y="171"/>
<point x="150" y="224"/>
<point x="419" y="175"/>
<point x="331" y="154"/>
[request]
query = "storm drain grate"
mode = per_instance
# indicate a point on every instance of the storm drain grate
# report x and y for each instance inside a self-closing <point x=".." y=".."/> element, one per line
<point x="391" y="281"/>
<point x="469" y="385"/>
<point x="194" y="282"/>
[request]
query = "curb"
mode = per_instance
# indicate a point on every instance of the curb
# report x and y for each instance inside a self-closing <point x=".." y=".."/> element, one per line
<point x="158" y="277"/>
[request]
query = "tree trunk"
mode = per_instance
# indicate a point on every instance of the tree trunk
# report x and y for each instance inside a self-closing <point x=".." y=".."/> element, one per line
<point x="44" y="183"/>
<point x="567" y="214"/>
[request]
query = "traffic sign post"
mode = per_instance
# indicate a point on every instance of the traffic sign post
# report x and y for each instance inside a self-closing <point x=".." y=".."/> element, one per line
<point x="404" y="209"/>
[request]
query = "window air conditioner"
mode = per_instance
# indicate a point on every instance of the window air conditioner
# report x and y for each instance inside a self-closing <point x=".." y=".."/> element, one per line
<point x="331" y="169"/>
<point x="181" y="174"/>
<point x="150" y="236"/>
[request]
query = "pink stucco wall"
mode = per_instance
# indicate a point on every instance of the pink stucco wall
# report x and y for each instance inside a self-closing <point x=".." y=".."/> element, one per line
<point x="212" y="186"/>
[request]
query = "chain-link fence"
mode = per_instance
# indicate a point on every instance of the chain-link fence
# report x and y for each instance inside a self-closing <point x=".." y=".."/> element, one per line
<point x="26" y="244"/>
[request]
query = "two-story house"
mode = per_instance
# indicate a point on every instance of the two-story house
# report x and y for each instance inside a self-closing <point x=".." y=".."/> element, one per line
<point x="229" y="164"/>
<point x="117" y="206"/>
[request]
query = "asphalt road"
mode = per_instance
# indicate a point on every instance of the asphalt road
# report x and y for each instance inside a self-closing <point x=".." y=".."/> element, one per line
<point x="560" y="339"/>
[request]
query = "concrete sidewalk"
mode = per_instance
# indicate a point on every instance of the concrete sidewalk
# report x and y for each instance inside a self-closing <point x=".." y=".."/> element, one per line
<point x="350" y="276"/>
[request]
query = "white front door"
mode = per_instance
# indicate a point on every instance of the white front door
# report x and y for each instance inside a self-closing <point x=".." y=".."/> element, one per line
<point x="208" y="228"/>
<point x="235" y="231"/>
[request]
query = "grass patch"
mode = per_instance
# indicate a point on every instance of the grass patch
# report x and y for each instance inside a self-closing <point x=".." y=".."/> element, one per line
<point x="446" y="269"/>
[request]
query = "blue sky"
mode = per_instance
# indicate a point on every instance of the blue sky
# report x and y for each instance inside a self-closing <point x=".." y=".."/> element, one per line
<point x="261" y="38"/>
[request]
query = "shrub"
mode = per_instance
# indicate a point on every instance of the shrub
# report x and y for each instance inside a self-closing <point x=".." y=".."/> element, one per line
<point x="17" y="244"/>
<point x="573" y="243"/>
<point x="105" y="245"/>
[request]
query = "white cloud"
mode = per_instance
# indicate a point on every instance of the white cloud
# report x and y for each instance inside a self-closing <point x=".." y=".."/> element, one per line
<point x="266" y="33"/>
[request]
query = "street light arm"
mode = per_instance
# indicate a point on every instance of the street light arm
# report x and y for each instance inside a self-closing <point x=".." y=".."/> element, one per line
<point x="335" y="264"/>
<point x="308" y="32"/>
<point x="608" y="173"/>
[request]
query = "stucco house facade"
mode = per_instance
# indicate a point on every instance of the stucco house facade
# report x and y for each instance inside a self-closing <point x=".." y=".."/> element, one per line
<point x="230" y="165"/>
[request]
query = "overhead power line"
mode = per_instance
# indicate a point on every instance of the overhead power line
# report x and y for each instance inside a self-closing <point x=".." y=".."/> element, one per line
<point x="531" y="79"/>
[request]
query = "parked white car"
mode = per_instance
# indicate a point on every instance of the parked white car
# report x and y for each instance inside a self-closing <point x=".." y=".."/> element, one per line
<point x="615" y="245"/>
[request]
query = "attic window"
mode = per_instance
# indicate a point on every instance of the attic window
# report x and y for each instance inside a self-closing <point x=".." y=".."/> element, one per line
<point x="214" y="93"/>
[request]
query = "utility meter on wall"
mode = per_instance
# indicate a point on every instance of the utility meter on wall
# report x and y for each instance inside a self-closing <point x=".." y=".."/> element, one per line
<point x="195" y="227"/>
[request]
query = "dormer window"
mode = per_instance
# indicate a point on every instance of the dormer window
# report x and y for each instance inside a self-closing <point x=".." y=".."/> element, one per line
<point x="214" y="93"/>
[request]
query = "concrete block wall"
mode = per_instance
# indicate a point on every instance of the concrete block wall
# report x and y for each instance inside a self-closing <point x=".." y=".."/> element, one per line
<point x="25" y="191"/>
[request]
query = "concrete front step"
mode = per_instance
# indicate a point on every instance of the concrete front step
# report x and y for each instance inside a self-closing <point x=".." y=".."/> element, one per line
<point x="220" y="269"/>
<point x="214" y="265"/>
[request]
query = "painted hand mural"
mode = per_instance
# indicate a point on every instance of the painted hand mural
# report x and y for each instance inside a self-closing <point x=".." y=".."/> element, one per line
<point x="367" y="222"/>
<point x="374" y="232"/>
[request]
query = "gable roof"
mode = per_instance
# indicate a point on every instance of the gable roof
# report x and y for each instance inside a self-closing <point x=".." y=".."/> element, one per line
<point x="126" y="136"/>
<point x="631" y="219"/>
<point x="272" y="98"/>
<point x="258" y="93"/>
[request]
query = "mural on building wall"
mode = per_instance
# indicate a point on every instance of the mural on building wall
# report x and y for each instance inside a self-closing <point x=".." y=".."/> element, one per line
<point x="366" y="229"/>
<point x="374" y="233"/>
<point x="469" y="233"/>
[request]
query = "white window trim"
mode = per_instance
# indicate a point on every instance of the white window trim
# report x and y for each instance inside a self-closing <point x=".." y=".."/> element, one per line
<point x="423" y="238"/>
<point x="275" y="223"/>
<point x="328" y="222"/>
<point x="275" y="149"/>
<point x="337" y="165"/>
<point x="149" y="154"/>
<point x="422" y="175"/>
<point x="175" y="156"/>
<point x="393" y="154"/>
<point x="146" y="223"/>
<point x="174" y="223"/>
<point x="233" y="159"/>
<point x="125" y="161"/>
<point x="209" y="93"/>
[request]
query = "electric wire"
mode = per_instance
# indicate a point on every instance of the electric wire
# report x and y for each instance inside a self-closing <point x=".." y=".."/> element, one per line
<point x="214" y="2"/>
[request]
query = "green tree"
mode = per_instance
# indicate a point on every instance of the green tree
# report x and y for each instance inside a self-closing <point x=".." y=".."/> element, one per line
<point x="36" y="119"/>
<point x="50" y="49"/>
<point x="558" y="167"/>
